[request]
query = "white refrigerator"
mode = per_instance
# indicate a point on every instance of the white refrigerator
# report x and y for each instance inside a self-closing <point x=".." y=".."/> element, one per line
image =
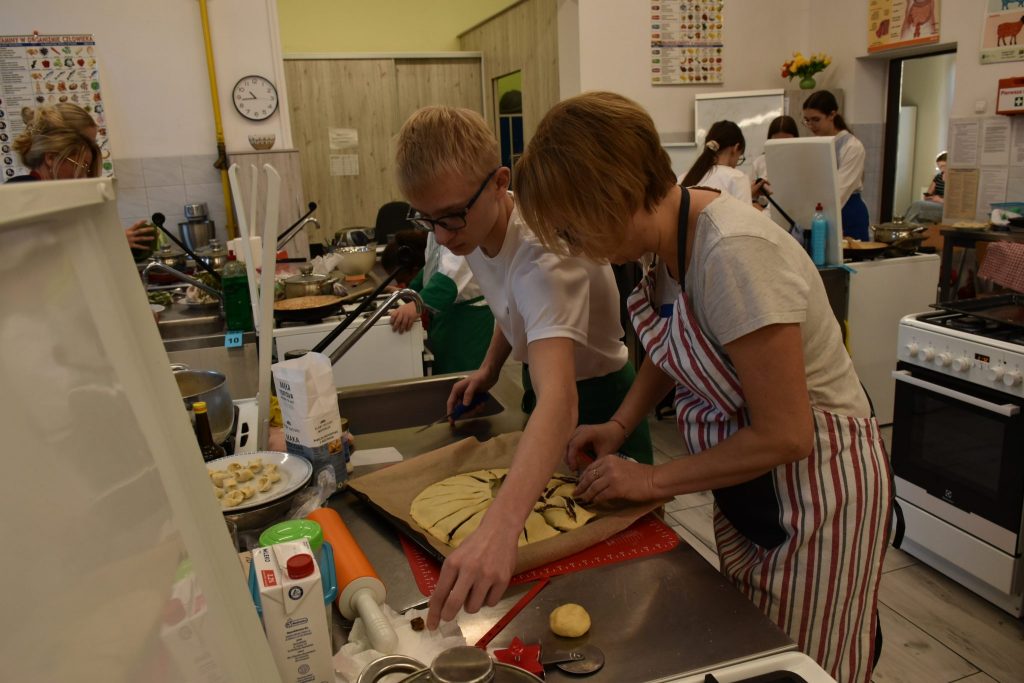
<point x="118" y="565"/>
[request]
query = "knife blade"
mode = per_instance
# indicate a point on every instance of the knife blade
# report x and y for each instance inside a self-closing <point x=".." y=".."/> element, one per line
<point x="460" y="410"/>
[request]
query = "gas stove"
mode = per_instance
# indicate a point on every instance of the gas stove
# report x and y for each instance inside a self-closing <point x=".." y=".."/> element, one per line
<point x="970" y="348"/>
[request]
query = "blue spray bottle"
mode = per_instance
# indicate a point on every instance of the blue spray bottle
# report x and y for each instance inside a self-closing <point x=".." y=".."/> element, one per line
<point x="819" y="233"/>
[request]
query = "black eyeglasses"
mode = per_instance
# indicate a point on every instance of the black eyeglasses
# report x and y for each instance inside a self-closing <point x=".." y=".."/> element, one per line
<point x="452" y="221"/>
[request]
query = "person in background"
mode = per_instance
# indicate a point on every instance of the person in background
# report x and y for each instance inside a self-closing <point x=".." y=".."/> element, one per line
<point x="52" y="150"/>
<point x="797" y="465"/>
<point x="558" y="315"/>
<point x="460" y="324"/>
<point x="822" y="117"/>
<point x="929" y="209"/>
<point x="723" y="151"/>
<point x="780" y="128"/>
<point x="141" y="234"/>
<point x="406" y="272"/>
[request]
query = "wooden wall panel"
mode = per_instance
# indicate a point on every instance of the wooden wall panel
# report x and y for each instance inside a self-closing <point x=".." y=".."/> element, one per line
<point x="344" y="93"/>
<point x="374" y="96"/>
<point x="293" y="202"/>
<point x="522" y="38"/>
<point x="423" y="82"/>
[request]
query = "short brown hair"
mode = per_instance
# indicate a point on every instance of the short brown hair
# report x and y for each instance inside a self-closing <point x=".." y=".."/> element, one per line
<point x="595" y="160"/>
<point x="439" y="141"/>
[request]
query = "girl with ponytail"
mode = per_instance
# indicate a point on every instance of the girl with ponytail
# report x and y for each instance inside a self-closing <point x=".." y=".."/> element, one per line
<point x="723" y="151"/>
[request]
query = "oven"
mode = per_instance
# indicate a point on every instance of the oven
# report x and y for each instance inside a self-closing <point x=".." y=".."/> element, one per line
<point x="958" y="459"/>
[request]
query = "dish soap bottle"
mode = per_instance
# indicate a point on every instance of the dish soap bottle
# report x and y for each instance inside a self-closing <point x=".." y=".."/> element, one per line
<point x="204" y="434"/>
<point x="237" y="304"/>
<point x="819" y="234"/>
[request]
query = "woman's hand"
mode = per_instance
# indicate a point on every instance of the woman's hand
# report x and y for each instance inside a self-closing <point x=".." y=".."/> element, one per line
<point x="404" y="317"/>
<point x="593" y="440"/>
<point x="465" y="389"/>
<point x="139" y="235"/>
<point x="614" y="478"/>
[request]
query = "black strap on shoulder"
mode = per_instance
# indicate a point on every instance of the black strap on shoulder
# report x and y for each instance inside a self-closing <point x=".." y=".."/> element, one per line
<point x="684" y="220"/>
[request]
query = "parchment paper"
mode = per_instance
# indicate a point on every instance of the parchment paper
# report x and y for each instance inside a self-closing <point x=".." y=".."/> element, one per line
<point x="393" y="489"/>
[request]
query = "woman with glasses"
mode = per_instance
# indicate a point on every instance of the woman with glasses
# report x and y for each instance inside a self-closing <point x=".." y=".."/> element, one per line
<point x="822" y="118"/>
<point x="53" y="150"/>
<point x="715" y="168"/>
<point x="768" y="404"/>
<point x="558" y="315"/>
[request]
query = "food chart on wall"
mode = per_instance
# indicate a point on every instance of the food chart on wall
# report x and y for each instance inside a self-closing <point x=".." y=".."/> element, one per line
<point x="686" y="42"/>
<point x="48" y="69"/>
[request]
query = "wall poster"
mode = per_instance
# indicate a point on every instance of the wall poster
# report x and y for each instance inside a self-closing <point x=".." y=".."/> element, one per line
<point x="902" y="23"/>
<point x="48" y="69"/>
<point x="1002" y="39"/>
<point x="686" y="42"/>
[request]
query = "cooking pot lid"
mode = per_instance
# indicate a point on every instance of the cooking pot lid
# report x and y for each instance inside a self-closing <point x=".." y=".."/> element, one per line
<point x="470" y="665"/>
<point x="168" y="251"/>
<point x="897" y="223"/>
<point x="307" y="277"/>
<point x="214" y="248"/>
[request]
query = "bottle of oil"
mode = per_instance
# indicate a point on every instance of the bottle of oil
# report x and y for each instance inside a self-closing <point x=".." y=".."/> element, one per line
<point x="209" y="449"/>
<point x="237" y="304"/>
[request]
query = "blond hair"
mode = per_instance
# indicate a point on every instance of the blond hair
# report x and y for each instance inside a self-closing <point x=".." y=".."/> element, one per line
<point x="47" y="132"/>
<point x="595" y="160"/>
<point x="77" y="118"/>
<point x="436" y="142"/>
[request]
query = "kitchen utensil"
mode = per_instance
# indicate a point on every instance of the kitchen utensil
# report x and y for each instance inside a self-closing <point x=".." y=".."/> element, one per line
<point x="307" y="308"/>
<point x="262" y="142"/>
<point x="265" y="340"/>
<point x="905" y="246"/>
<point x="283" y="238"/>
<point x="170" y="257"/>
<point x="459" y="410"/>
<point x="356" y="260"/>
<point x="511" y="614"/>
<point x="861" y="251"/>
<point x="896" y="230"/>
<point x="361" y="590"/>
<point x="308" y="284"/>
<point x="214" y="255"/>
<point x="211" y="387"/>
<point x="158" y="220"/>
<point x="196" y="211"/>
<point x="295" y="474"/>
<point x="196" y="233"/>
<point x="580" y="661"/>
<point x="456" y="665"/>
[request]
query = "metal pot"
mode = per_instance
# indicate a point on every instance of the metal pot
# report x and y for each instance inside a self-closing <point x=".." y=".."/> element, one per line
<point x="196" y="233"/>
<point x="170" y="257"/>
<point x="209" y="386"/>
<point x="895" y="231"/>
<point x="308" y="284"/>
<point x="214" y="255"/>
<point x="457" y="665"/>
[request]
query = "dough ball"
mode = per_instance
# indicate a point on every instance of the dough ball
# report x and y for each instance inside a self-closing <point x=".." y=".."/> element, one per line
<point x="569" y="621"/>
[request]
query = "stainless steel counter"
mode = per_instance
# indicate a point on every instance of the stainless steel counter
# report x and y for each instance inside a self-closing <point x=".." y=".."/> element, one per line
<point x="656" y="618"/>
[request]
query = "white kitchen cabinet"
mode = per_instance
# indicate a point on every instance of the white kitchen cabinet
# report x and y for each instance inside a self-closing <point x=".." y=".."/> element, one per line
<point x="882" y="292"/>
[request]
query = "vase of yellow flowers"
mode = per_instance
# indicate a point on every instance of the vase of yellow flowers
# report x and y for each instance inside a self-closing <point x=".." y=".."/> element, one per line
<point x="804" y="68"/>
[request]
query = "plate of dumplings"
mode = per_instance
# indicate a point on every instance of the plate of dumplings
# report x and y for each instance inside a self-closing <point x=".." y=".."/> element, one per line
<point x="249" y="480"/>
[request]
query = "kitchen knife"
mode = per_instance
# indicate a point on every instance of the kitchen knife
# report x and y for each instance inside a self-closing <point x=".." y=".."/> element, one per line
<point x="459" y="411"/>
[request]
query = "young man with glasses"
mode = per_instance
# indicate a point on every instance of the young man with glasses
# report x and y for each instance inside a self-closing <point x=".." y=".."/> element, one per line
<point x="558" y="315"/>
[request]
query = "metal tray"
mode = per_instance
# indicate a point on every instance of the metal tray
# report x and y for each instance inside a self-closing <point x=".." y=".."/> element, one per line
<point x="400" y="525"/>
<point x="1007" y="309"/>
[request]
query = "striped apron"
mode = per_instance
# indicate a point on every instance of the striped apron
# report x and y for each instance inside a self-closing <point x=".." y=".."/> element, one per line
<point x="822" y="523"/>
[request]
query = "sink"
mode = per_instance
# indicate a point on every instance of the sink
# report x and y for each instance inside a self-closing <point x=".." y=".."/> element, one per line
<point x="185" y="328"/>
<point x="403" y="404"/>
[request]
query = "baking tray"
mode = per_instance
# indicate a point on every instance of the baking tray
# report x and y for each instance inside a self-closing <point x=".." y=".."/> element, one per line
<point x="415" y="536"/>
<point x="1007" y="309"/>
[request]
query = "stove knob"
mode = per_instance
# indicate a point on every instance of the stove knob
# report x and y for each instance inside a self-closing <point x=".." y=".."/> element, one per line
<point x="943" y="360"/>
<point x="962" y="364"/>
<point x="928" y="353"/>
<point x="995" y="373"/>
<point x="1012" y="378"/>
<point x="912" y="349"/>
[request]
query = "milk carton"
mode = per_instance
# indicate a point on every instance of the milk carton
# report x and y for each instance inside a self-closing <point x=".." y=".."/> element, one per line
<point x="293" y="612"/>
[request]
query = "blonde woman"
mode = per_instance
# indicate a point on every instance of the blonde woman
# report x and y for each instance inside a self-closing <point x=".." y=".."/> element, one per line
<point x="767" y="399"/>
<point x="52" y="150"/>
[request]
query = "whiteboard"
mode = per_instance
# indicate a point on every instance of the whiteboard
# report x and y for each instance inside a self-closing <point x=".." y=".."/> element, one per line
<point x="752" y="111"/>
<point x="803" y="172"/>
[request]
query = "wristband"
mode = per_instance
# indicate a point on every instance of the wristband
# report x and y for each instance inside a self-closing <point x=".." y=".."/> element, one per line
<point x="616" y="421"/>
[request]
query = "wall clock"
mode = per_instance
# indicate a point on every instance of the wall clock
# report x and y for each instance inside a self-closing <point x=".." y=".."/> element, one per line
<point x="255" y="98"/>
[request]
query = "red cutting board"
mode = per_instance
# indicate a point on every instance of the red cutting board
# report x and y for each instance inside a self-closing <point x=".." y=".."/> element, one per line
<point x="647" y="536"/>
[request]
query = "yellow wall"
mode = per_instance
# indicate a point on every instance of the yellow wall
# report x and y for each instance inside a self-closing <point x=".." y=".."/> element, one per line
<point x="381" y="26"/>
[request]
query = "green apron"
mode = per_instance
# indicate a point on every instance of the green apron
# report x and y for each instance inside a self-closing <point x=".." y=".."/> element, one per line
<point x="459" y="336"/>
<point x="599" y="398"/>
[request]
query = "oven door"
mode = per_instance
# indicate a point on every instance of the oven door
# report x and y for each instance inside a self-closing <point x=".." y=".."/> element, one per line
<point x="963" y="444"/>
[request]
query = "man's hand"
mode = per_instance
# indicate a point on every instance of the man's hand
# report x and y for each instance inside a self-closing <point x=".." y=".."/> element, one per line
<point x="404" y="317"/>
<point x="139" y="234"/>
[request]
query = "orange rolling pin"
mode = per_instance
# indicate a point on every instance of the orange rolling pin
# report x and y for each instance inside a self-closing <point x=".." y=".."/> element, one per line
<point x="361" y="592"/>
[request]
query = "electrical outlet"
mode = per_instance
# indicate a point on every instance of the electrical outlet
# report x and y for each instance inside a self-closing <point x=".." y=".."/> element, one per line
<point x="980" y="106"/>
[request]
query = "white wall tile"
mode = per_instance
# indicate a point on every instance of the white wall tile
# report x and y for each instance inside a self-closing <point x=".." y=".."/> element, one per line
<point x="132" y="202"/>
<point x="198" y="169"/>
<point x="212" y="194"/>
<point x="162" y="171"/>
<point x="129" y="173"/>
<point x="168" y="200"/>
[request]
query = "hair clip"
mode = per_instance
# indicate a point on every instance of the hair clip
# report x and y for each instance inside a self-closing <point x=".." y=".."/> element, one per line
<point x="712" y="145"/>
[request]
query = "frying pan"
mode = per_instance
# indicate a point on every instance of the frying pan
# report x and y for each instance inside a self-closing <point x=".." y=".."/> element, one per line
<point x="308" y="314"/>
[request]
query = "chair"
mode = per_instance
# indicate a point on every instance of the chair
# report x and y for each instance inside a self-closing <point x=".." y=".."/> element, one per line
<point x="391" y="219"/>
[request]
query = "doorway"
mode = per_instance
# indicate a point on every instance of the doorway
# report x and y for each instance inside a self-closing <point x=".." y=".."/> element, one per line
<point x="508" y="102"/>
<point x="920" y="98"/>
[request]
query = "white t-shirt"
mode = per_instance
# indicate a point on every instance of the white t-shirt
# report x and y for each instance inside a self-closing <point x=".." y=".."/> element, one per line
<point x="727" y="179"/>
<point x="535" y="294"/>
<point x="850" y="158"/>
<point x="440" y="260"/>
<point x="745" y="274"/>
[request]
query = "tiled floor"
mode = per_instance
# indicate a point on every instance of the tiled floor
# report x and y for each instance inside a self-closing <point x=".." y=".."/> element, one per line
<point x="935" y="631"/>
